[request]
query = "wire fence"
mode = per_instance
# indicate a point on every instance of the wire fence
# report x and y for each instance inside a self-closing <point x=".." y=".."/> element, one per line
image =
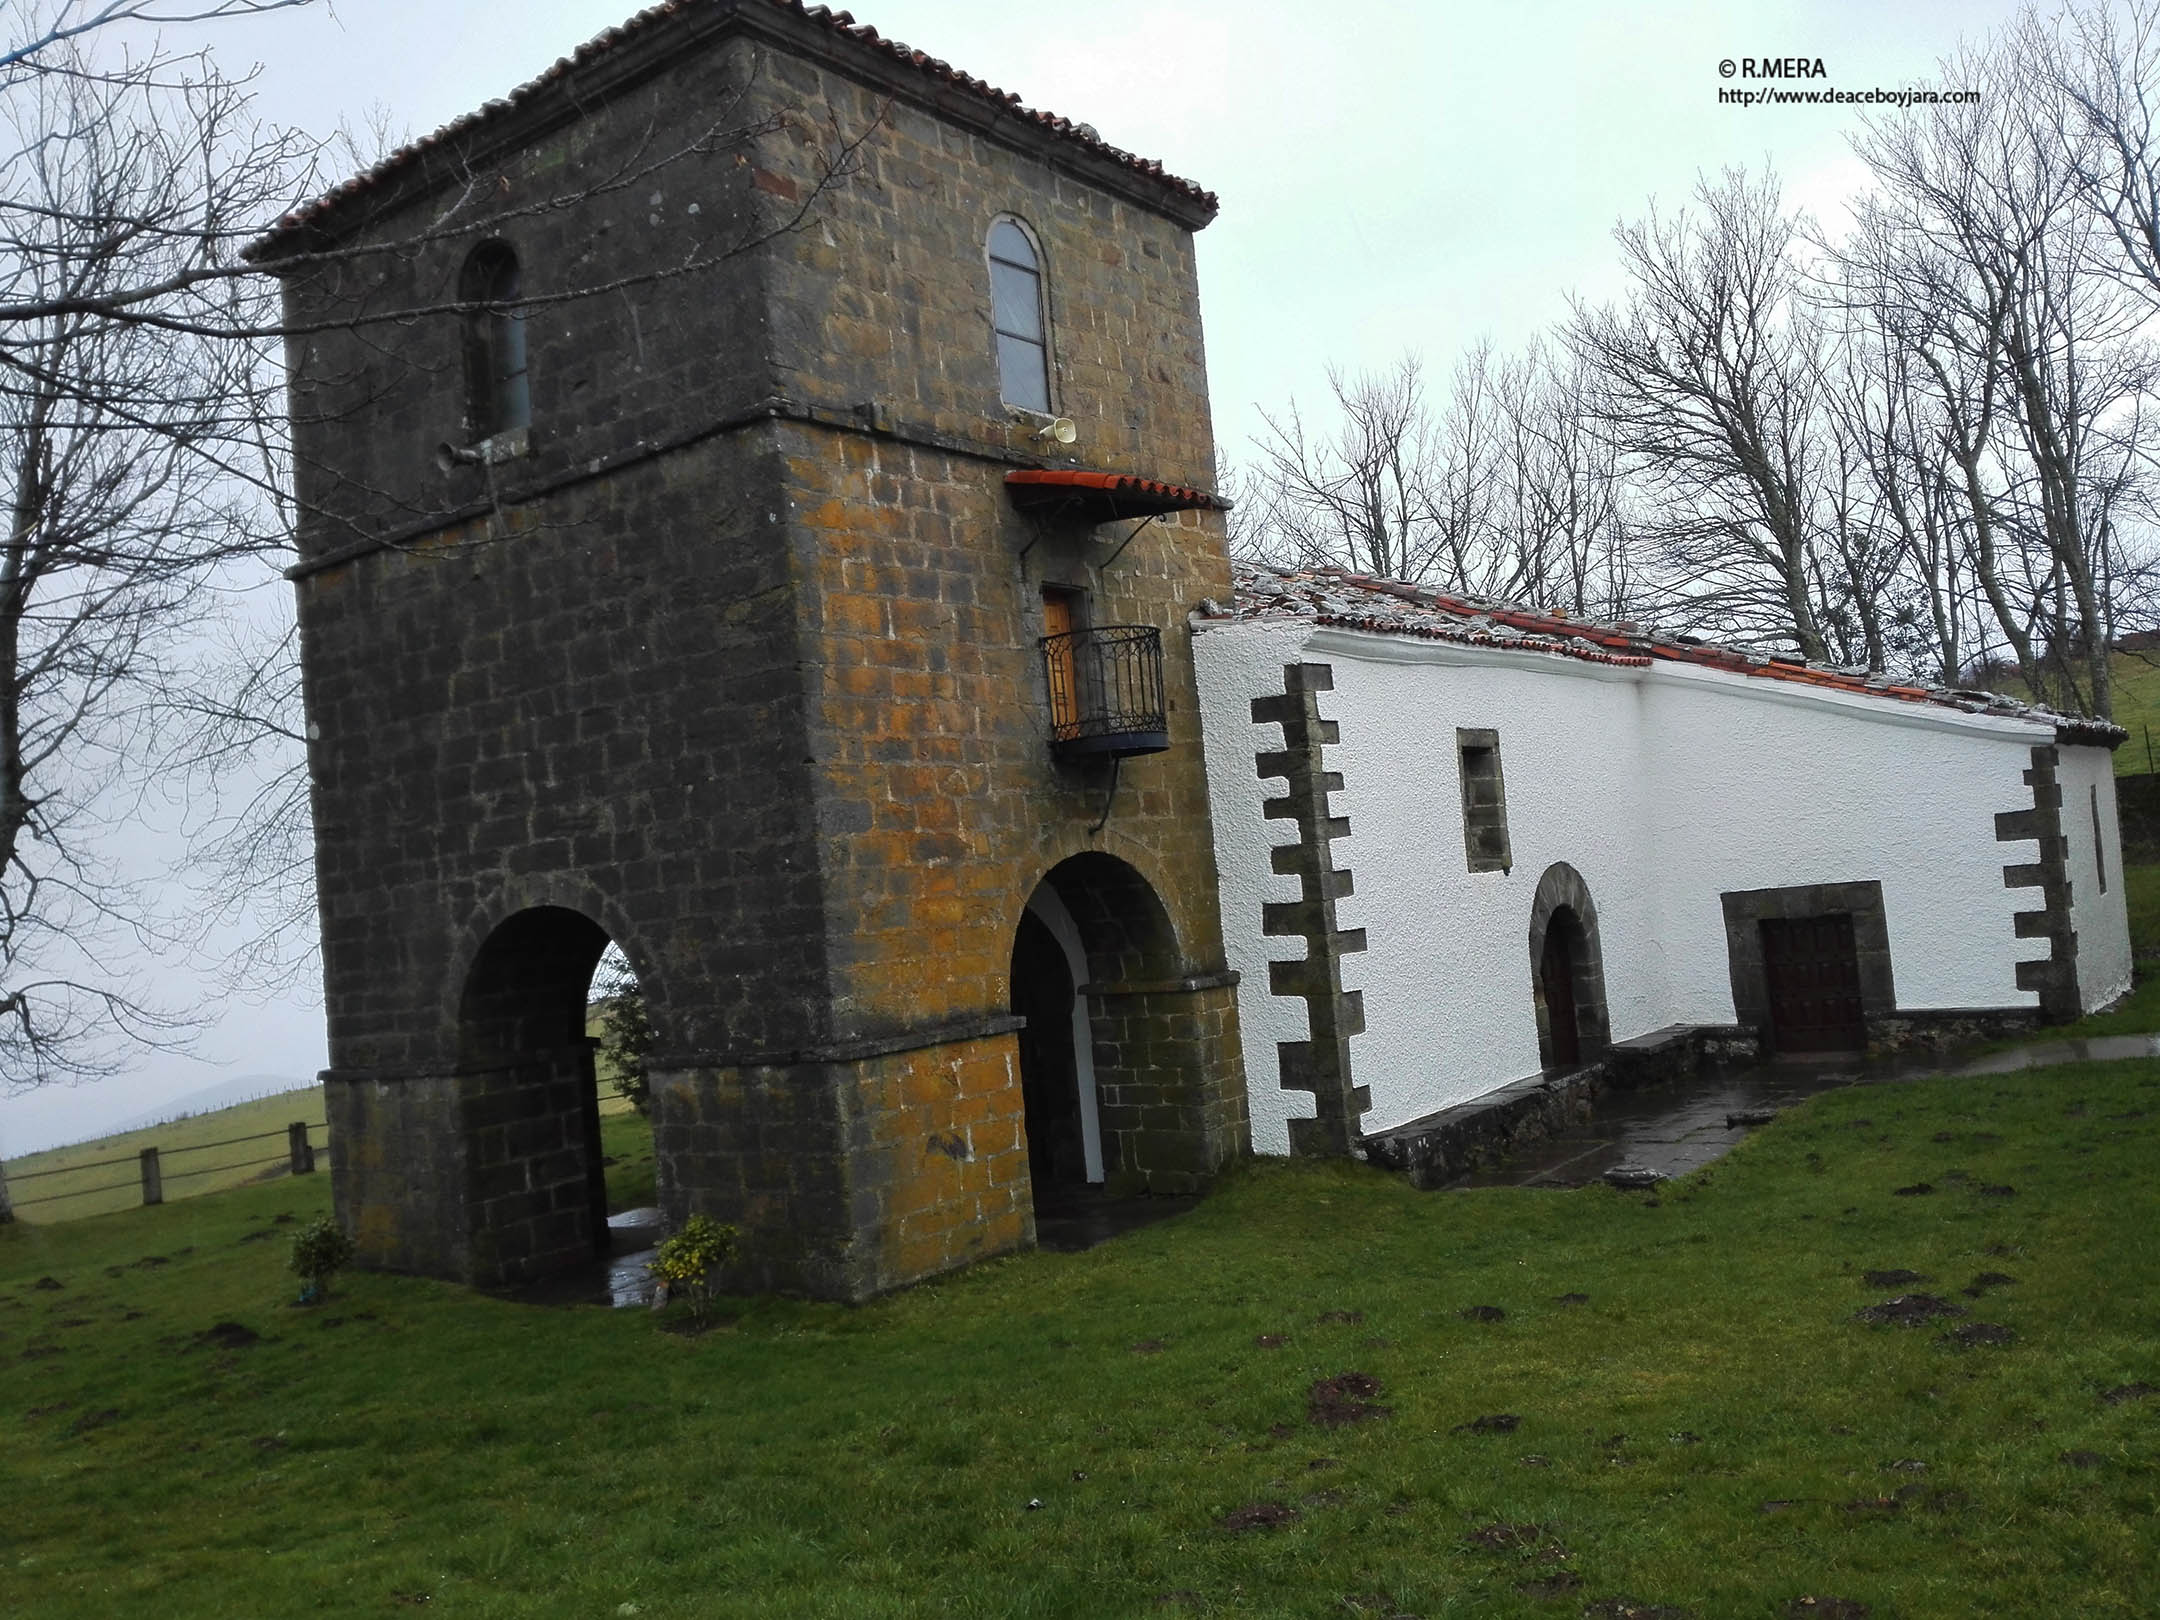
<point x="153" y="1176"/>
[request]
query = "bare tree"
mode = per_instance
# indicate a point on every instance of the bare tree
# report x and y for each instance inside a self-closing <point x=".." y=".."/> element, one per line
<point x="1900" y="513"/>
<point x="126" y="460"/>
<point x="1991" y="262"/>
<point x="1506" y="493"/>
<point x="1706" y="380"/>
<point x="2099" y="67"/>
<point x="48" y="34"/>
<point x="1561" y="516"/>
<point x="1356" y="496"/>
<point x="251" y="848"/>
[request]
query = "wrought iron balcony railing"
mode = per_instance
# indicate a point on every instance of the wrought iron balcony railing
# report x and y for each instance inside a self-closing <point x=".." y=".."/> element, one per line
<point x="1106" y="691"/>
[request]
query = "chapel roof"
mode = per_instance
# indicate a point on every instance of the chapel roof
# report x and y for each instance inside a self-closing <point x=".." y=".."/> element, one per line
<point x="1341" y="599"/>
<point x="937" y="75"/>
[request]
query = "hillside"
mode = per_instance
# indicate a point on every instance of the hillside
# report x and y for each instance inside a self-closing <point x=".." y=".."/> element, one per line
<point x="199" y="1154"/>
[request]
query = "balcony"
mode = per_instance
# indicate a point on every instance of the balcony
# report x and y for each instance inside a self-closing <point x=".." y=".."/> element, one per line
<point x="1106" y="692"/>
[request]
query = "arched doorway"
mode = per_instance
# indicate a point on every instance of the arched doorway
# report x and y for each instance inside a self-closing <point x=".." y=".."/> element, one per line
<point x="1057" y="1058"/>
<point x="536" y="1186"/>
<point x="1567" y="971"/>
<point x="1125" y="1069"/>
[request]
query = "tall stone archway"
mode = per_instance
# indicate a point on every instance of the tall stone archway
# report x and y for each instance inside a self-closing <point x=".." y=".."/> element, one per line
<point x="1567" y="970"/>
<point x="535" y="1193"/>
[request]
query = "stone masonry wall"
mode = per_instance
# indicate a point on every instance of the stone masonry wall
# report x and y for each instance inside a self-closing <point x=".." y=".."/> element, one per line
<point x="613" y="197"/>
<point x="397" y="1177"/>
<point x="2055" y="975"/>
<point x="852" y="1175"/>
<point x="940" y="805"/>
<point x="561" y="711"/>
<point x="737" y="656"/>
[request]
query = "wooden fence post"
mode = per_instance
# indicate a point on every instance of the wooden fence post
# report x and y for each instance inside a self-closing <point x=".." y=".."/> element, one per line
<point x="303" y="1156"/>
<point x="153" y="1185"/>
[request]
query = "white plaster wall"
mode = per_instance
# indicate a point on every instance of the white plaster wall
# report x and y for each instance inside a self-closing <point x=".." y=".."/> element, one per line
<point x="1446" y="974"/>
<point x="1663" y="787"/>
<point x="1767" y="786"/>
<point x="2101" y="917"/>
<point x="1232" y="668"/>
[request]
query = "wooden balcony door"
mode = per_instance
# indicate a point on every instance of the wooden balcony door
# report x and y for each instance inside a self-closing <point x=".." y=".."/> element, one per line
<point x="1063" y="613"/>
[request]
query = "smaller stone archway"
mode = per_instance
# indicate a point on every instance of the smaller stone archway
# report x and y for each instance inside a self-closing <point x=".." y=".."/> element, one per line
<point x="1129" y="1066"/>
<point x="1567" y="971"/>
<point x="1061" y="1116"/>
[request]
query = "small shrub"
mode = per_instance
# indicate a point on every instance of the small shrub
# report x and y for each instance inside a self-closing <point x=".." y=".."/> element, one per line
<point x="626" y="1036"/>
<point x="320" y="1250"/>
<point x="685" y="1263"/>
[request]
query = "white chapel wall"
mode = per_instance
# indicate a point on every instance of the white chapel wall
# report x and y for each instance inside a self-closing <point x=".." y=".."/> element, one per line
<point x="1663" y="787"/>
<point x="2100" y="916"/>
<point x="1772" y="786"/>
<point x="1447" y="975"/>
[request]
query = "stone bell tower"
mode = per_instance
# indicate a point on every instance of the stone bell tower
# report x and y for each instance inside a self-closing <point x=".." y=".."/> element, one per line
<point x="754" y="479"/>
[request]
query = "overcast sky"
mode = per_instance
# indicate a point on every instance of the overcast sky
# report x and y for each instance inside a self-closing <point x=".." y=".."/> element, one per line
<point x="1394" y="177"/>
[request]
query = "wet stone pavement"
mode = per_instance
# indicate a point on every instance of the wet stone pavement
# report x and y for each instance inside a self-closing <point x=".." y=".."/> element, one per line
<point x="1636" y="1137"/>
<point x="620" y="1279"/>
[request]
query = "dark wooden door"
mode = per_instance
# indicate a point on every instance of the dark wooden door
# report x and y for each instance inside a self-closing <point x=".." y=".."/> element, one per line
<point x="1811" y="969"/>
<point x="1556" y="975"/>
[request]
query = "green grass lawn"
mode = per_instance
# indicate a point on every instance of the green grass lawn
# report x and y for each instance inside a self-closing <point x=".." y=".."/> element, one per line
<point x="626" y="1149"/>
<point x="1709" y="1428"/>
<point x="2136" y="681"/>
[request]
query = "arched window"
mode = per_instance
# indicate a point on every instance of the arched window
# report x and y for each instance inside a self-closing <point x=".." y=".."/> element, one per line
<point x="1016" y="311"/>
<point x="497" y="399"/>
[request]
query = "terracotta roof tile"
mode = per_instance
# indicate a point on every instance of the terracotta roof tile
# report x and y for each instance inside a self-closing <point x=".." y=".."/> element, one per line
<point x="1104" y="495"/>
<point x="839" y="22"/>
<point x="1338" y="597"/>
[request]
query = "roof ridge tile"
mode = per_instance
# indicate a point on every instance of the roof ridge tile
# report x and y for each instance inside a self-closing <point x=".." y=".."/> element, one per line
<point x="611" y="38"/>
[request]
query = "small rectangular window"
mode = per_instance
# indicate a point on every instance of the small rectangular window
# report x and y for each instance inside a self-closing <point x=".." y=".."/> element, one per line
<point x="1484" y="801"/>
<point x="2099" y="843"/>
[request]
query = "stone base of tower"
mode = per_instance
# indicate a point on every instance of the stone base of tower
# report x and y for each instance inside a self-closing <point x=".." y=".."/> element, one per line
<point x="488" y="1177"/>
<point x="849" y="1175"/>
